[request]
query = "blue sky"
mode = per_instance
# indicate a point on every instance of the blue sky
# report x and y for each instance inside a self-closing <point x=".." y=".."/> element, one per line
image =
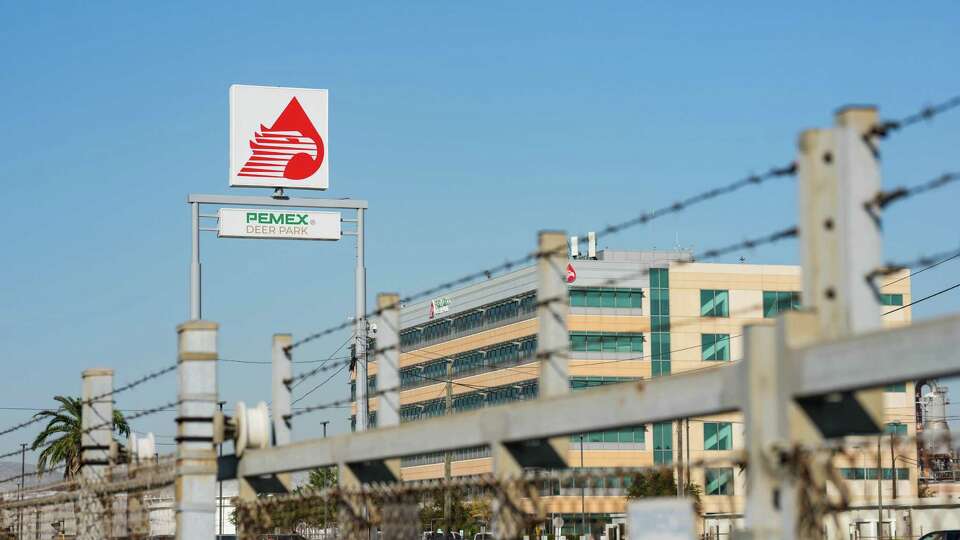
<point x="468" y="127"/>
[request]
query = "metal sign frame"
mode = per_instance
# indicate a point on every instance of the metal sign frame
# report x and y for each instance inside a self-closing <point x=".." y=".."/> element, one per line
<point x="360" y="323"/>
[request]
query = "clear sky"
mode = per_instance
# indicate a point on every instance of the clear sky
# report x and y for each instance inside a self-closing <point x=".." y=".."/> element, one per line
<point x="468" y="127"/>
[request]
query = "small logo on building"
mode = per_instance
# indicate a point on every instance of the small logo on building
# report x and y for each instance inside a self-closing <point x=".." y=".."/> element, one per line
<point x="571" y="273"/>
<point x="439" y="305"/>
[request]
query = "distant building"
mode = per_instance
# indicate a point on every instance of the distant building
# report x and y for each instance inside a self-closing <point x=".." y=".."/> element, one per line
<point x="675" y="318"/>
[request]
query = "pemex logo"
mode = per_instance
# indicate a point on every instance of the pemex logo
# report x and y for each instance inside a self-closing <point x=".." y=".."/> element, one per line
<point x="291" y="148"/>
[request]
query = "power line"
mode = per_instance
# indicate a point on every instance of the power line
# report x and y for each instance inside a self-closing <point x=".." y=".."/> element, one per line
<point x="922" y="299"/>
<point x="325" y="381"/>
<point x="325" y="365"/>
<point x="642" y="219"/>
<point x="951" y="256"/>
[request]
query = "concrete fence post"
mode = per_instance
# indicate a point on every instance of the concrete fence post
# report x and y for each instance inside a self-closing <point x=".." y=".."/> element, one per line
<point x="553" y="351"/>
<point x="196" y="458"/>
<point x="96" y="421"/>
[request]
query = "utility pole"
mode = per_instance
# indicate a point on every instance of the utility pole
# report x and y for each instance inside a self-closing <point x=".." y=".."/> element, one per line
<point x="583" y="497"/>
<point x="361" y="332"/>
<point x="893" y="459"/>
<point x="681" y="487"/>
<point x="447" y="465"/>
<point x="879" y="490"/>
<point x="220" y="499"/>
<point x="324" y="424"/>
<point x="687" y="436"/>
<point x="23" y="475"/>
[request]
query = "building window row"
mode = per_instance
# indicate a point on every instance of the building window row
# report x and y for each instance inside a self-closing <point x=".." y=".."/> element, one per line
<point x="460" y="454"/>
<point x="475" y="361"/>
<point x="495" y="395"/>
<point x="469" y="321"/>
<point x="606" y="298"/>
<point x="606" y="342"/>
<point x="870" y="473"/>
<point x="634" y="434"/>
<point x="468" y="401"/>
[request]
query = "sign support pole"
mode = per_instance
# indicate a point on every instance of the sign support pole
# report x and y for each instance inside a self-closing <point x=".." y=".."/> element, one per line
<point x="195" y="262"/>
<point x="360" y="332"/>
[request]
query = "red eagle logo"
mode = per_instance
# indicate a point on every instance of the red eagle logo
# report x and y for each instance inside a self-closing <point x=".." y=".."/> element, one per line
<point x="571" y="273"/>
<point x="291" y="148"/>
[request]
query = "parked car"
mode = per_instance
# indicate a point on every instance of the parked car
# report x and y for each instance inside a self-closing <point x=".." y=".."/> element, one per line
<point x="942" y="535"/>
<point x="483" y="536"/>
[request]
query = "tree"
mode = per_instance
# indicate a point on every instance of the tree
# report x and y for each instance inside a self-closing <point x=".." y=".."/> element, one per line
<point x="655" y="483"/>
<point x="661" y="483"/>
<point x="60" y="438"/>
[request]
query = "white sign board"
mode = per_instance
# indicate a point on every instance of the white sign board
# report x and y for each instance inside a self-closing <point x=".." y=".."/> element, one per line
<point x="278" y="137"/>
<point x="280" y="224"/>
<point x="661" y="518"/>
<point x="439" y="306"/>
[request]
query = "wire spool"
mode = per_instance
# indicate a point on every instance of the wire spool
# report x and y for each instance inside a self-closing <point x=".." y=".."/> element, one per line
<point x="253" y="427"/>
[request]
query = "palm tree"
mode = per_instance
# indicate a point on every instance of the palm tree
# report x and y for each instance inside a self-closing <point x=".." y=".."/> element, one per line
<point x="60" y="439"/>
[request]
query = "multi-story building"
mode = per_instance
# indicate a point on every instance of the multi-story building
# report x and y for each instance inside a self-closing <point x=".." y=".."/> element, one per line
<point x="662" y="317"/>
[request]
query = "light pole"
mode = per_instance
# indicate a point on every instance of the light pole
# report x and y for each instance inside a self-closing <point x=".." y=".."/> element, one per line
<point x="583" y="499"/>
<point x="23" y="465"/>
<point x="879" y="491"/>
<point x="220" y="498"/>
<point x="893" y="456"/>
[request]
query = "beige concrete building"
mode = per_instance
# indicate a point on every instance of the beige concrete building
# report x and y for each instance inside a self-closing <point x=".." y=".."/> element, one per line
<point x="663" y="317"/>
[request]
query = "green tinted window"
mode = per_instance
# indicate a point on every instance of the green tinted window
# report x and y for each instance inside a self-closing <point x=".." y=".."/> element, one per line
<point x="717" y="436"/>
<point x="891" y="299"/>
<point x="662" y="443"/>
<point x="714" y="303"/>
<point x="776" y="302"/>
<point x="715" y="347"/>
<point x="896" y="387"/>
<point x="719" y="481"/>
<point x="896" y="428"/>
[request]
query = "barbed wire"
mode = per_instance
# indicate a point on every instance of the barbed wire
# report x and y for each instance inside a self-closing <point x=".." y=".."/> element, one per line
<point x="37" y="472"/>
<point x="924" y="299"/>
<point x="902" y="193"/>
<point x="296" y="379"/>
<point x="22" y="425"/>
<point x="270" y="362"/>
<point x="133" y="384"/>
<point x="641" y="219"/>
<point x="925" y="261"/>
<point x="884" y="129"/>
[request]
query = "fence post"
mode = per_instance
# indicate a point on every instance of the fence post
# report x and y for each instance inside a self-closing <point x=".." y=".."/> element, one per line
<point x="840" y="244"/>
<point x="388" y="362"/>
<point x="553" y="352"/>
<point x="96" y="421"/>
<point x="196" y="459"/>
<point x="400" y="517"/>
<point x="282" y="363"/>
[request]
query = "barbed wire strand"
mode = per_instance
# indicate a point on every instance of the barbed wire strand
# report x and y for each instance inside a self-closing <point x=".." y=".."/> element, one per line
<point x="642" y="219"/>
